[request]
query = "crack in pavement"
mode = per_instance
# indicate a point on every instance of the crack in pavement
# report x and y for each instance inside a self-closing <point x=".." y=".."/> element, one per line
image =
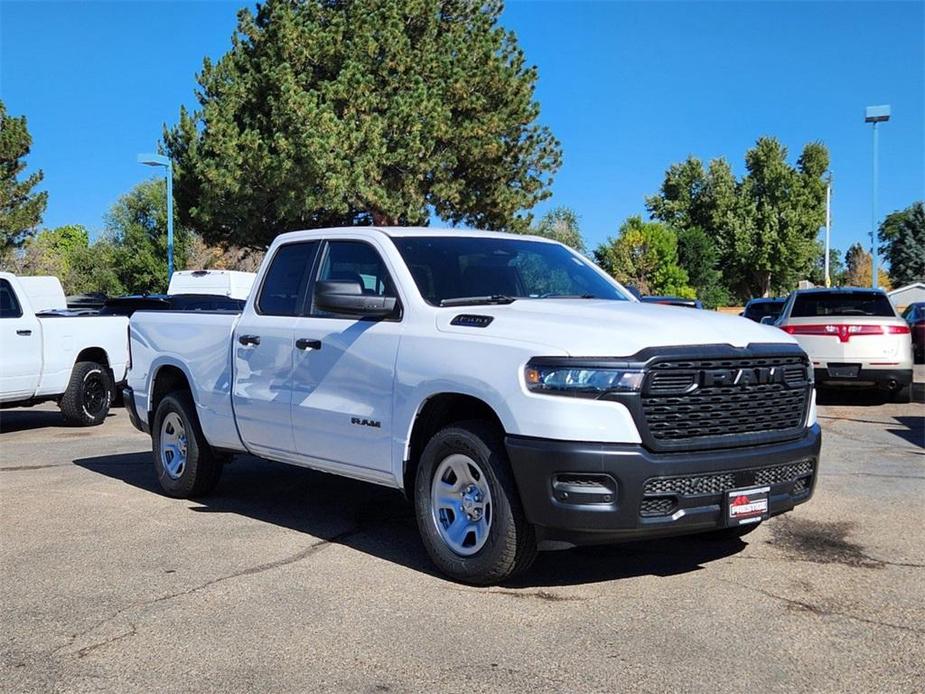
<point x="817" y="610"/>
<point x="250" y="571"/>
<point x="543" y="595"/>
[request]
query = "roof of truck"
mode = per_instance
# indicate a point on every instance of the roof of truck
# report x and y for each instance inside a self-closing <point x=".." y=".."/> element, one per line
<point x="427" y="231"/>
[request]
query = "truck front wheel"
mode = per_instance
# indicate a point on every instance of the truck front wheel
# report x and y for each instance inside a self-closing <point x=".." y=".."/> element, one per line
<point x="185" y="464"/>
<point x="89" y="394"/>
<point x="468" y="511"/>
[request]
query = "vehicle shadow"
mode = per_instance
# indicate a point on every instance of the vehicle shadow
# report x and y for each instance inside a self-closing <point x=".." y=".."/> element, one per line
<point x="914" y="431"/>
<point x="380" y="522"/>
<point x="27" y="419"/>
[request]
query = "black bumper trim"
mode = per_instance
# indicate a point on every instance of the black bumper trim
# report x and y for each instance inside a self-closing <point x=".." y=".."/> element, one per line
<point x="883" y="377"/>
<point x="535" y="462"/>
<point x="128" y="398"/>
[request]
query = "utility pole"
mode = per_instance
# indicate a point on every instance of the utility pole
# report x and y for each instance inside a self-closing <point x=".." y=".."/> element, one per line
<point x="875" y="115"/>
<point x="828" y="227"/>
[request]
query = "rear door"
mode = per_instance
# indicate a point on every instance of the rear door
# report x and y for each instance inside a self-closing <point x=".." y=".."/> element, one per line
<point x="20" y="347"/>
<point x="263" y="352"/>
<point x="344" y="368"/>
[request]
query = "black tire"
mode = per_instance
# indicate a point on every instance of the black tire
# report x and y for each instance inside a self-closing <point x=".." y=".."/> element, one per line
<point x="202" y="468"/>
<point x="729" y="534"/>
<point x="510" y="547"/>
<point x="902" y="395"/>
<point x="89" y="394"/>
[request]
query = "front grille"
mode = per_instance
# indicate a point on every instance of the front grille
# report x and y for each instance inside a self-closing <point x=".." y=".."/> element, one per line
<point x="687" y="401"/>
<point x="662" y="495"/>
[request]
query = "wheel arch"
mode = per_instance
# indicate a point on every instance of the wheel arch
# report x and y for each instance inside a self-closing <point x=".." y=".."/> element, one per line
<point x="94" y="354"/>
<point x="434" y="413"/>
<point x="166" y="378"/>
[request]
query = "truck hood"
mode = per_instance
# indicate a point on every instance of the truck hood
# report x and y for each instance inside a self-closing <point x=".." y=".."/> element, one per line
<point x="596" y="328"/>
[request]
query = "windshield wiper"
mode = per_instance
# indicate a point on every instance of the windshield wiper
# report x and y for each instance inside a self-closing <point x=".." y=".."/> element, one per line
<point x="569" y="296"/>
<point x="475" y="300"/>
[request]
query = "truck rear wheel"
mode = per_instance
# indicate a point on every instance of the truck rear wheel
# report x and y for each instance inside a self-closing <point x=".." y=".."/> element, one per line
<point x="185" y="464"/>
<point x="468" y="511"/>
<point x="89" y="394"/>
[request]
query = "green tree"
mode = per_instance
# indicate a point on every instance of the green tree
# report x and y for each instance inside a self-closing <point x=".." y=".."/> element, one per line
<point x="645" y="255"/>
<point x="836" y="267"/>
<point x="902" y="238"/>
<point x="764" y="225"/>
<point x="699" y="257"/>
<point x="359" y="112"/>
<point x="21" y="208"/>
<point x="561" y="224"/>
<point x="136" y="237"/>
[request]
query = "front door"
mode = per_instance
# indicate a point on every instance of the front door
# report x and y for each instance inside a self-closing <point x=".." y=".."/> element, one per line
<point x="263" y="352"/>
<point x="20" y="348"/>
<point x="344" y="369"/>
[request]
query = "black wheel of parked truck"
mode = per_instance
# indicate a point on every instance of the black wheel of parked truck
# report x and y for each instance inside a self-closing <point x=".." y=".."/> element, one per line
<point x="467" y="507"/>
<point x="89" y="394"/>
<point x="186" y="465"/>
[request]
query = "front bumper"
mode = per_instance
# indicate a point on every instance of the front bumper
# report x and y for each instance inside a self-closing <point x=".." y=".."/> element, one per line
<point x="696" y="483"/>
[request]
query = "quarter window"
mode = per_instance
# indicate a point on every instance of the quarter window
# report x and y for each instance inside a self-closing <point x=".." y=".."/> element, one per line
<point x="284" y="285"/>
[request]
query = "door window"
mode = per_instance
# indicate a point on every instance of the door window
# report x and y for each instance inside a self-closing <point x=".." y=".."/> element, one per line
<point x="9" y="304"/>
<point x="284" y="285"/>
<point x="355" y="261"/>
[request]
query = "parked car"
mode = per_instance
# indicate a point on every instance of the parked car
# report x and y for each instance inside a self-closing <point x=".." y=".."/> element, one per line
<point x="230" y="283"/>
<point x="506" y="384"/>
<point x="914" y="315"/>
<point x="763" y="310"/>
<point x="672" y="301"/>
<point x="56" y="354"/>
<point x="853" y="337"/>
<point x="127" y="305"/>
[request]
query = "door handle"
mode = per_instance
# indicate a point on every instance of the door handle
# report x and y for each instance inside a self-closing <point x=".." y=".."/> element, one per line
<point x="24" y="333"/>
<point x="303" y="343"/>
<point x="249" y="339"/>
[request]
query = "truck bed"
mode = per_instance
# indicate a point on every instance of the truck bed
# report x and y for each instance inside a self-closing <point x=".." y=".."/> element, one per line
<point x="199" y="342"/>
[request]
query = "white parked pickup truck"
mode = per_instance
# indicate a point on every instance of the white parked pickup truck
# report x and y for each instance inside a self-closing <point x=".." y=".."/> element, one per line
<point x="47" y="353"/>
<point x="517" y="394"/>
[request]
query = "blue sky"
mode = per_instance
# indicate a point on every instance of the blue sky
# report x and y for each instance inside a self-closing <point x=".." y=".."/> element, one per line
<point x="628" y="87"/>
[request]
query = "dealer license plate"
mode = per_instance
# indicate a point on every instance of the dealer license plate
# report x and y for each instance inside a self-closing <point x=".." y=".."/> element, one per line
<point x="747" y="505"/>
<point x="844" y="370"/>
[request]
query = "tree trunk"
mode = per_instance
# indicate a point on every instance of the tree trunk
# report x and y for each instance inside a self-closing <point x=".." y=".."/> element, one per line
<point x="380" y="219"/>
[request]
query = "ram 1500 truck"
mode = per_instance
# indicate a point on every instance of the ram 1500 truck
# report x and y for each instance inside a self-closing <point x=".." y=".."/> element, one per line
<point x="48" y="353"/>
<point x="520" y="397"/>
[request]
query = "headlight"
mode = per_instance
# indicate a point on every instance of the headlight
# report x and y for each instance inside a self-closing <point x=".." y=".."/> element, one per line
<point x="581" y="381"/>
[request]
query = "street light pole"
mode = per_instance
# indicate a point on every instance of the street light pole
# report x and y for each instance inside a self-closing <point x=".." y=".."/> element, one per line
<point x="160" y="160"/>
<point x="875" y="115"/>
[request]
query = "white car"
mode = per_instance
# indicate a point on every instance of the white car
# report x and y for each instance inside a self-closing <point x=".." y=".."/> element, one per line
<point x="853" y="336"/>
<point x="48" y="353"/>
<point x="520" y="396"/>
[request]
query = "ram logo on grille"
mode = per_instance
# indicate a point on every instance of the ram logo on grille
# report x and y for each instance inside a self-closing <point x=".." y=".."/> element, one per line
<point x="758" y="375"/>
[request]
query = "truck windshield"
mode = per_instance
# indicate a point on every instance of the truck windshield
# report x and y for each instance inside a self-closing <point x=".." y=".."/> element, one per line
<point x="497" y="269"/>
<point x="814" y="304"/>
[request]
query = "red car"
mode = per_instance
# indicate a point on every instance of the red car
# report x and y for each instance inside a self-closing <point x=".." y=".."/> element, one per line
<point x="914" y="315"/>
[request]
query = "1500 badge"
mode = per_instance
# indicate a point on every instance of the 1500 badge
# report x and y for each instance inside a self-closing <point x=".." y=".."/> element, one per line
<point x="362" y="422"/>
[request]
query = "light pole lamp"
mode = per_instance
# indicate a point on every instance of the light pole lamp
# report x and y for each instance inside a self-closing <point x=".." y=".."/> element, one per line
<point x="160" y="160"/>
<point x="875" y="115"/>
<point x="828" y="227"/>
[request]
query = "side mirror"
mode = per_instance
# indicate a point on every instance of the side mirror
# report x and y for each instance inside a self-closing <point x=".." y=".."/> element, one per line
<point x="767" y="320"/>
<point x="346" y="297"/>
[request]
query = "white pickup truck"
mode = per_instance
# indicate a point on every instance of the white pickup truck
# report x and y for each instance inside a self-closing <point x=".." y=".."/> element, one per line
<point x="48" y="353"/>
<point x="517" y="394"/>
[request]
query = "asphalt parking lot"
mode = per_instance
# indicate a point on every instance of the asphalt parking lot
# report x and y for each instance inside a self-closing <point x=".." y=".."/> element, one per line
<point x="290" y="579"/>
